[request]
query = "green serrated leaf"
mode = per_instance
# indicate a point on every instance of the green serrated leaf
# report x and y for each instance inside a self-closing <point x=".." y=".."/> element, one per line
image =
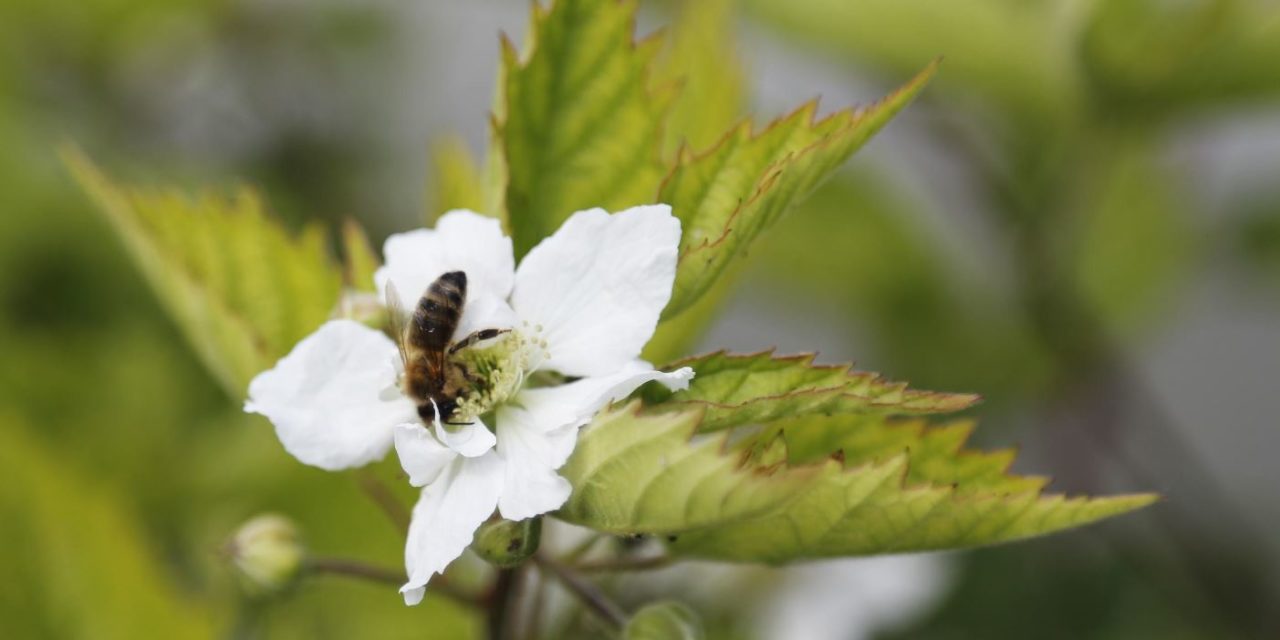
<point x="581" y="126"/>
<point x="730" y="194"/>
<point x="635" y="473"/>
<point x="892" y="488"/>
<point x="241" y="288"/>
<point x="937" y="453"/>
<point x="761" y="387"/>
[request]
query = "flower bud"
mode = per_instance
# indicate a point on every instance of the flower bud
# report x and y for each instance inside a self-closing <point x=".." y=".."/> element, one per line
<point x="266" y="553"/>
<point x="664" y="620"/>
<point x="506" y="544"/>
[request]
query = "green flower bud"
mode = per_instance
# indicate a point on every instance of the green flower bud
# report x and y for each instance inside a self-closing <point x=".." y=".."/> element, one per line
<point x="506" y="544"/>
<point x="267" y="554"/>
<point x="664" y="620"/>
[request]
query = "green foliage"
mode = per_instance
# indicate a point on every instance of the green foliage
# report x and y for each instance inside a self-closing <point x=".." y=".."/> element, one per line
<point x="581" y="126"/>
<point x="1131" y="207"/>
<point x="1039" y="86"/>
<point x="664" y="621"/>
<point x="1150" y="59"/>
<point x="85" y="569"/>
<point x="728" y="195"/>
<point x="759" y="388"/>
<point x="887" y="487"/>
<point x="817" y="486"/>
<point x="635" y="473"/>
<point x="712" y="88"/>
<point x="241" y="288"/>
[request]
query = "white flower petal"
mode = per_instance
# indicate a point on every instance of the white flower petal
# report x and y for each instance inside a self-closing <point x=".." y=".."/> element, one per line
<point x="532" y="455"/>
<point x="598" y="285"/>
<point x="446" y="518"/>
<point x="575" y="403"/>
<point x="537" y="433"/>
<point x="325" y="398"/>
<point x="461" y="241"/>
<point x="484" y="312"/>
<point x="469" y="440"/>
<point x="421" y="454"/>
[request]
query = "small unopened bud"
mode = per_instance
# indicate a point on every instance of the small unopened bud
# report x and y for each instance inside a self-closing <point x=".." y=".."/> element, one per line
<point x="506" y="544"/>
<point x="664" y="621"/>
<point x="266" y="553"/>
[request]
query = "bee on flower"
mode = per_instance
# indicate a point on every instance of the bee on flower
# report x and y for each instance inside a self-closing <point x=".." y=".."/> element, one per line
<point x="492" y="371"/>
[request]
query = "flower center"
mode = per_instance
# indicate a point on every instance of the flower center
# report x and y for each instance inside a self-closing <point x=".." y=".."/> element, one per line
<point x="492" y="372"/>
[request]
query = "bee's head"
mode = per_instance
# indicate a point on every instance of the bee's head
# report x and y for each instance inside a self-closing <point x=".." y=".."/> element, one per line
<point x="427" y="410"/>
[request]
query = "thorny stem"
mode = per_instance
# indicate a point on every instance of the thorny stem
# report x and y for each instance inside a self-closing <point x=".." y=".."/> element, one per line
<point x="594" y="599"/>
<point x="360" y="570"/>
<point x="625" y="564"/>
<point x="382" y="496"/>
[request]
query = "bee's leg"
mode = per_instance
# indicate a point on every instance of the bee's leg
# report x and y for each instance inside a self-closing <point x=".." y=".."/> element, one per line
<point x="483" y="334"/>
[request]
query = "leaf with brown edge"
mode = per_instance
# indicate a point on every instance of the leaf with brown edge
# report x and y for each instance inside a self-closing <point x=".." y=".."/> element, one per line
<point x="241" y="288"/>
<point x="761" y="387"/>
<point x="635" y="473"/>
<point x="728" y="195"/>
<point x="580" y="125"/>
<point x="899" y="487"/>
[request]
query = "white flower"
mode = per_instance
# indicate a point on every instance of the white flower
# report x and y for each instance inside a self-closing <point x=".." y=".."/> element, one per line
<point x="580" y="308"/>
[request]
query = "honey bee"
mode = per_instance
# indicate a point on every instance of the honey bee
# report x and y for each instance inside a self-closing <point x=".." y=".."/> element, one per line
<point x="431" y="378"/>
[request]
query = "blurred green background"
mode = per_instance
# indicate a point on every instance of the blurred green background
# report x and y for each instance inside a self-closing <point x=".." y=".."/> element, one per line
<point x="1079" y="220"/>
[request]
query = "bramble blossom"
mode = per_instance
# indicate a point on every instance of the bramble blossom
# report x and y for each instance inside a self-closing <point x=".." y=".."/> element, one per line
<point x="578" y="310"/>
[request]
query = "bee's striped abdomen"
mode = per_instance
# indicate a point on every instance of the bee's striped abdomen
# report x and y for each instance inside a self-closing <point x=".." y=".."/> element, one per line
<point x="437" y="314"/>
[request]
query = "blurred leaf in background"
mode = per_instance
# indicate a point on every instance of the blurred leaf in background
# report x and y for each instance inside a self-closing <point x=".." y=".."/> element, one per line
<point x="1061" y="117"/>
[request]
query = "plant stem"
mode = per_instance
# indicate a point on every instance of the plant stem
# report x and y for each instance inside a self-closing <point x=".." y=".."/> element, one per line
<point x="501" y="603"/>
<point x="594" y="599"/>
<point x="362" y="571"/>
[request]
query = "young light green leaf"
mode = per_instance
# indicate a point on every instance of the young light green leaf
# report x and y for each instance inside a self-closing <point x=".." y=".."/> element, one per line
<point x="730" y="194"/>
<point x="761" y="387"/>
<point x="581" y="126"/>
<point x="896" y="487"/>
<point x="634" y="473"/>
<point x="819" y="486"/>
<point x="241" y="288"/>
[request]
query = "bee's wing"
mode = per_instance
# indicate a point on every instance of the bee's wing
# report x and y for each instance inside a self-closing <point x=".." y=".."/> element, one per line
<point x="395" y="318"/>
